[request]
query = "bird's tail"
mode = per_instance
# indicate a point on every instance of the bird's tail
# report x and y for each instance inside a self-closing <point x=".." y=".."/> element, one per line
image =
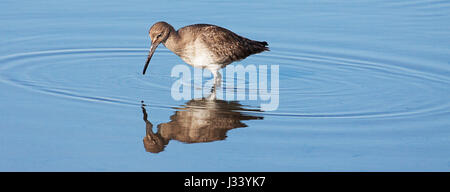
<point x="260" y="46"/>
<point x="264" y="45"/>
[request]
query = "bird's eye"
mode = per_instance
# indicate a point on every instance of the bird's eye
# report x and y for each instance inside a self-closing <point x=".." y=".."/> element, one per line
<point x="159" y="35"/>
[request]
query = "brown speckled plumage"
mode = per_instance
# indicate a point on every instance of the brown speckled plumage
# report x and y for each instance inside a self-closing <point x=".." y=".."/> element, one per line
<point x="204" y="45"/>
<point x="225" y="45"/>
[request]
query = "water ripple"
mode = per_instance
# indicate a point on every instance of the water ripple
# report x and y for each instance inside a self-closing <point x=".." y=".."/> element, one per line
<point x="312" y="84"/>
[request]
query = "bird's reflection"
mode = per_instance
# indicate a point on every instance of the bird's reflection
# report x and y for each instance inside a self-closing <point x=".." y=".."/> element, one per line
<point x="199" y="120"/>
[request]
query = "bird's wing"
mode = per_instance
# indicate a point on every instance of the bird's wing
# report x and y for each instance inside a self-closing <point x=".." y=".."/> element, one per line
<point x="226" y="45"/>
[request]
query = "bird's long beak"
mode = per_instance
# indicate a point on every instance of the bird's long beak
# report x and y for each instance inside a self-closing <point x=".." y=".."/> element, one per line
<point x="150" y="54"/>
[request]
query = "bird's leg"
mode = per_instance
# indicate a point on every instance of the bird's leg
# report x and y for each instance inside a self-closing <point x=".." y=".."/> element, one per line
<point x="212" y="96"/>
<point x="213" y="89"/>
<point x="217" y="78"/>
<point x="217" y="81"/>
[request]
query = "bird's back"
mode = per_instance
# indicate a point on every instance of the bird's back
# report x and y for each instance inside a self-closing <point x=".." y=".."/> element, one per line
<point x="225" y="45"/>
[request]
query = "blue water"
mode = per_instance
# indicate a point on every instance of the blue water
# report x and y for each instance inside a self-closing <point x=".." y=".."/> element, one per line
<point x="364" y="86"/>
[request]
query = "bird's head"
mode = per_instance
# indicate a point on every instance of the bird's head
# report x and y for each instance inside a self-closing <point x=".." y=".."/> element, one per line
<point x="158" y="33"/>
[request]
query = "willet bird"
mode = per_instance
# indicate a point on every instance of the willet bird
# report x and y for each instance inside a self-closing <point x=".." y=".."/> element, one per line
<point x="203" y="46"/>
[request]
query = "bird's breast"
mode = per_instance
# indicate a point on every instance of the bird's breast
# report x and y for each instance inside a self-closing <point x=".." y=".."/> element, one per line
<point x="197" y="54"/>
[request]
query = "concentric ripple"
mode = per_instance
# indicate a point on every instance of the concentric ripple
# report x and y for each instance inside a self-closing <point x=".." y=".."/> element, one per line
<point x="312" y="84"/>
<point x="80" y="74"/>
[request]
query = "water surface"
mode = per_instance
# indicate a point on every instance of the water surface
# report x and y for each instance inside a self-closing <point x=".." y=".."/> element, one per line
<point x="364" y="86"/>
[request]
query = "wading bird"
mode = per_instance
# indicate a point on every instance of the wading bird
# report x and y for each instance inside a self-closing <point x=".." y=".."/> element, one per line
<point x="203" y="46"/>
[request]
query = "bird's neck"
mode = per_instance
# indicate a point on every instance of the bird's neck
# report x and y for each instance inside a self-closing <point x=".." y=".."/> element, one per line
<point x="173" y="42"/>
